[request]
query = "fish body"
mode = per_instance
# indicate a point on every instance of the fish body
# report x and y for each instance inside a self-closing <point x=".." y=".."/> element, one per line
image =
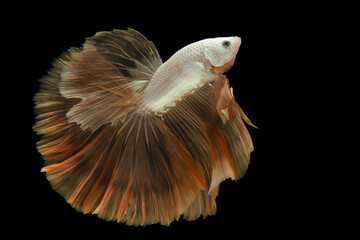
<point x="132" y="139"/>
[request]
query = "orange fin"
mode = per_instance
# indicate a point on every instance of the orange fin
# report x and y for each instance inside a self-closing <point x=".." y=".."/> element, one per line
<point x="137" y="173"/>
<point x="226" y="105"/>
<point x="108" y="76"/>
<point x="210" y="124"/>
<point x="204" y="204"/>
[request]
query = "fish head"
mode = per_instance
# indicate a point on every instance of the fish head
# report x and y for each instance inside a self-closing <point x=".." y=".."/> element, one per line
<point x="221" y="53"/>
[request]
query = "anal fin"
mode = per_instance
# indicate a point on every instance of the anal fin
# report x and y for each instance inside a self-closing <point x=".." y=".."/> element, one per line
<point x="204" y="204"/>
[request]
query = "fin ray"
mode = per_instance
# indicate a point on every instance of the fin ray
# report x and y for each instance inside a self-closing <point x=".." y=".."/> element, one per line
<point x="222" y="145"/>
<point x="103" y="75"/>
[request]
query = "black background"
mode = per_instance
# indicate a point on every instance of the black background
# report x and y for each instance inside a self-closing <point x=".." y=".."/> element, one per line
<point x="270" y="200"/>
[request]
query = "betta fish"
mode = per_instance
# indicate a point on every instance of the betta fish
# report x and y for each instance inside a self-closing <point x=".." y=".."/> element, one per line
<point x="132" y="139"/>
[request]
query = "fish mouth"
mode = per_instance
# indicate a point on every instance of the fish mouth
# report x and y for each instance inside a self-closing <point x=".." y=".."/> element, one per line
<point x="237" y="43"/>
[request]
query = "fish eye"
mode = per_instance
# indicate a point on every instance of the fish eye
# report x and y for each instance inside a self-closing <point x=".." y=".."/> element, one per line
<point x="226" y="44"/>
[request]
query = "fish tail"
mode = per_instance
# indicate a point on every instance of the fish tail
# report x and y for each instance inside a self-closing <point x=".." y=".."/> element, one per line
<point x="136" y="172"/>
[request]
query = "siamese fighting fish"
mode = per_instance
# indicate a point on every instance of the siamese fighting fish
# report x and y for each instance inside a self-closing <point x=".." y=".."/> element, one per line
<point x="132" y="139"/>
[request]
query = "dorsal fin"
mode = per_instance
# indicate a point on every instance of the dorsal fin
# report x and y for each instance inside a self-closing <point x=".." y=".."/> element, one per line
<point x="108" y="76"/>
<point x="132" y="54"/>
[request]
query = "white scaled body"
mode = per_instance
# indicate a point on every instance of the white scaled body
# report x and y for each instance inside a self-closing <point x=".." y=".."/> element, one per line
<point x="187" y="70"/>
